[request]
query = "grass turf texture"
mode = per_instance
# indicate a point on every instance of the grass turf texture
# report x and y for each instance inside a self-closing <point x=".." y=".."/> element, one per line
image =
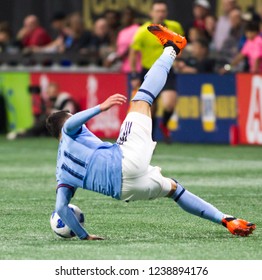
<point x="230" y="178"/>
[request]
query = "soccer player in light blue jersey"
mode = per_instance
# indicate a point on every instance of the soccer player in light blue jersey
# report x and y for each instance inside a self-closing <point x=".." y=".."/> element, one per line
<point x="122" y="170"/>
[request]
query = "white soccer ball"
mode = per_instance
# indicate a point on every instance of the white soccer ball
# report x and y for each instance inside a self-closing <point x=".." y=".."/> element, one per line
<point x="60" y="228"/>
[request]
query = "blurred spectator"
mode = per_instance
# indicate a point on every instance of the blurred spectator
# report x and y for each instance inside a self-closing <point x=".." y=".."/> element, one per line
<point x="144" y="43"/>
<point x="100" y="42"/>
<point x="199" y="62"/>
<point x="194" y="34"/>
<point x="223" y="24"/>
<point x="252" y="50"/>
<point x="78" y="38"/>
<point x="100" y="33"/>
<point x="201" y="9"/>
<point x="260" y="11"/>
<point x="32" y="34"/>
<point x="56" y="101"/>
<point x="59" y="100"/>
<point x="59" y="25"/>
<point x="260" y="15"/>
<point x="57" y="45"/>
<point x="123" y="43"/>
<point x="61" y="31"/>
<point x="113" y="22"/>
<point x="210" y="25"/>
<point x="232" y="44"/>
<point x="72" y="36"/>
<point x="251" y="14"/>
<point x="124" y="40"/>
<point x="5" y="36"/>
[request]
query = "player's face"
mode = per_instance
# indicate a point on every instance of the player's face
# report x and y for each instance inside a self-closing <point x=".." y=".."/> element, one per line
<point x="158" y="13"/>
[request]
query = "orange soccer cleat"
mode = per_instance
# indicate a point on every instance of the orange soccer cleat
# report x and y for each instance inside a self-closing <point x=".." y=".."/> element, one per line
<point x="167" y="37"/>
<point x="238" y="226"/>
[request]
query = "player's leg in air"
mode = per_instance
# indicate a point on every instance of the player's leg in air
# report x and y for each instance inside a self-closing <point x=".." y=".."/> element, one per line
<point x="142" y="181"/>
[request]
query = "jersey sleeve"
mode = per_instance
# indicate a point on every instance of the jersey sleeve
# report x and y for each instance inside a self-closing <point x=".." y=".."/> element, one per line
<point x="74" y="123"/>
<point x="63" y="197"/>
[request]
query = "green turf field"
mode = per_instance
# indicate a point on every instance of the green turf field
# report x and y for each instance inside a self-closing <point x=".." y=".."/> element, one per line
<point x="230" y="178"/>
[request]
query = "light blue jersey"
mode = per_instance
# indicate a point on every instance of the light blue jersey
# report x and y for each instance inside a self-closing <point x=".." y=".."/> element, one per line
<point x="84" y="161"/>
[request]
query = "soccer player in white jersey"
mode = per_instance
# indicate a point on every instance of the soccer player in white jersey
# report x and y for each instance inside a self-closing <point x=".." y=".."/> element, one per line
<point x="122" y="170"/>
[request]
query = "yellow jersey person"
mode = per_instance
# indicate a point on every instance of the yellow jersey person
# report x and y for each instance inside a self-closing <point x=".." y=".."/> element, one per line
<point x="144" y="41"/>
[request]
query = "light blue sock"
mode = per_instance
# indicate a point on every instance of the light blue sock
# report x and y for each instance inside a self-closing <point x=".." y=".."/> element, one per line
<point x="196" y="206"/>
<point x="155" y="78"/>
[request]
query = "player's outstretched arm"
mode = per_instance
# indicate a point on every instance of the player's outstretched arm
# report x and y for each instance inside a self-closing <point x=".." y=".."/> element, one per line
<point x="63" y="198"/>
<point x="73" y="124"/>
<point x="115" y="99"/>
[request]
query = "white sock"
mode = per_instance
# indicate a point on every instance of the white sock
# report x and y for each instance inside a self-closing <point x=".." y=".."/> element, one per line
<point x="170" y="51"/>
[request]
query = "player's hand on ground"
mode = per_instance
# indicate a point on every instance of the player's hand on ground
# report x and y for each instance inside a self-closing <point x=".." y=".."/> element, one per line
<point x="115" y="99"/>
<point x="94" y="237"/>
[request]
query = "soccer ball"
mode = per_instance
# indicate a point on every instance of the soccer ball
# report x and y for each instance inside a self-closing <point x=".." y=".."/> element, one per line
<point x="60" y="228"/>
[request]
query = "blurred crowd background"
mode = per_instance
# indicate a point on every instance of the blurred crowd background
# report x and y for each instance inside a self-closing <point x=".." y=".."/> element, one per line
<point x="101" y="33"/>
<point x="111" y="36"/>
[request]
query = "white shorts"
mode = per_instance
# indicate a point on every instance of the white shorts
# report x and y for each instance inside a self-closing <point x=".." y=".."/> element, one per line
<point x="141" y="181"/>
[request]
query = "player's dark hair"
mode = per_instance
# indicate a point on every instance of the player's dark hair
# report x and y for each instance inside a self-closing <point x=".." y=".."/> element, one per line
<point x="55" y="122"/>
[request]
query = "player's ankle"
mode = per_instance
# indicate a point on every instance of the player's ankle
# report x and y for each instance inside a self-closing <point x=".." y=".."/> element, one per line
<point x="174" y="46"/>
<point x="169" y="50"/>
